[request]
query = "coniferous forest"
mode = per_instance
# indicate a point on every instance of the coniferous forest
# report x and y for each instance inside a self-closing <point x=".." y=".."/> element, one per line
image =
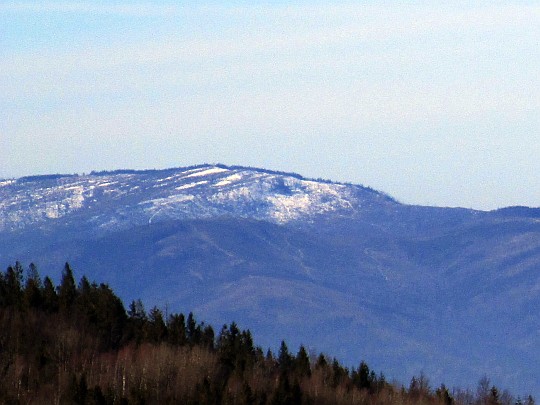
<point x="75" y="343"/>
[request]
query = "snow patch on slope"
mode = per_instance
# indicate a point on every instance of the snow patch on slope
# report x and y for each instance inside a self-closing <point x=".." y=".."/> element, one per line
<point x="228" y="180"/>
<point x="208" y="172"/>
<point x="307" y="198"/>
<point x="191" y="185"/>
<point x="173" y="199"/>
<point x="6" y="182"/>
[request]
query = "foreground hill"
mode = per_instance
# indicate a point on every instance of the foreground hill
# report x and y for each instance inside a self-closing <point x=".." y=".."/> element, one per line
<point x="340" y="268"/>
<point x="79" y="345"/>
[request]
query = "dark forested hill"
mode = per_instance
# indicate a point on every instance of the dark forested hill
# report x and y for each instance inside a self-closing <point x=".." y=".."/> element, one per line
<point x="339" y="268"/>
<point x="77" y="344"/>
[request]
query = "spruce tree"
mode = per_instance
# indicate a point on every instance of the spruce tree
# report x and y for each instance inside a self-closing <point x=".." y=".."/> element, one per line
<point x="301" y="363"/>
<point x="284" y="357"/>
<point x="32" y="294"/>
<point x="177" y="330"/>
<point x="193" y="330"/>
<point x="156" y="329"/>
<point x="50" y="298"/>
<point x="362" y="378"/>
<point x="67" y="291"/>
<point x="136" y="321"/>
<point x="13" y="283"/>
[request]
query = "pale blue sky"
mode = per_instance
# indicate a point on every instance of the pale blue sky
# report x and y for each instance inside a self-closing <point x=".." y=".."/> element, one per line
<point x="432" y="103"/>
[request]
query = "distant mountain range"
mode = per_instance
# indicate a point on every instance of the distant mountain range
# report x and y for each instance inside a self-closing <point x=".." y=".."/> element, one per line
<point x="341" y="268"/>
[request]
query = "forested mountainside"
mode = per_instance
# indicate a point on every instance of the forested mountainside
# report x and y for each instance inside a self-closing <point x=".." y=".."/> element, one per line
<point x="451" y="292"/>
<point x="70" y="344"/>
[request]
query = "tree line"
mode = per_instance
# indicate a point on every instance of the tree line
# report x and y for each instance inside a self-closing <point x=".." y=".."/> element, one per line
<point x="77" y="344"/>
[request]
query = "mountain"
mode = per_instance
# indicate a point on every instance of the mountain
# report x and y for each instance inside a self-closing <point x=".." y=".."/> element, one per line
<point x="341" y="268"/>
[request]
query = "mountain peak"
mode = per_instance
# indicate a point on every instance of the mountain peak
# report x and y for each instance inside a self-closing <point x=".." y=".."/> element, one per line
<point x="130" y="197"/>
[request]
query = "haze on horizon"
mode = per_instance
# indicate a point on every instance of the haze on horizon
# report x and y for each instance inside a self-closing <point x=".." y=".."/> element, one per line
<point x="431" y="103"/>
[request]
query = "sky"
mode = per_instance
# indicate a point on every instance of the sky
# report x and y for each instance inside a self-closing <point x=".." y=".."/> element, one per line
<point x="434" y="103"/>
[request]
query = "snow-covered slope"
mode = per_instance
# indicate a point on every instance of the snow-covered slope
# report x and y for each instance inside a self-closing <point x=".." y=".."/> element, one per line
<point x="118" y="199"/>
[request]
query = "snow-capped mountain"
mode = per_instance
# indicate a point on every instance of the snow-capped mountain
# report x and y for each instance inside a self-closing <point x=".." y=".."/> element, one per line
<point x="338" y="267"/>
<point x="125" y="198"/>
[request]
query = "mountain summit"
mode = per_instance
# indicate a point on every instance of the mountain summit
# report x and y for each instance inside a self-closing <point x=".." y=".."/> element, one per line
<point x="121" y="199"/>
<point x="341" y="268"/>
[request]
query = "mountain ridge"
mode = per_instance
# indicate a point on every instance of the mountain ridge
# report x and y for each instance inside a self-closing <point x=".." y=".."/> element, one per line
<point x="287" y="195"/>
